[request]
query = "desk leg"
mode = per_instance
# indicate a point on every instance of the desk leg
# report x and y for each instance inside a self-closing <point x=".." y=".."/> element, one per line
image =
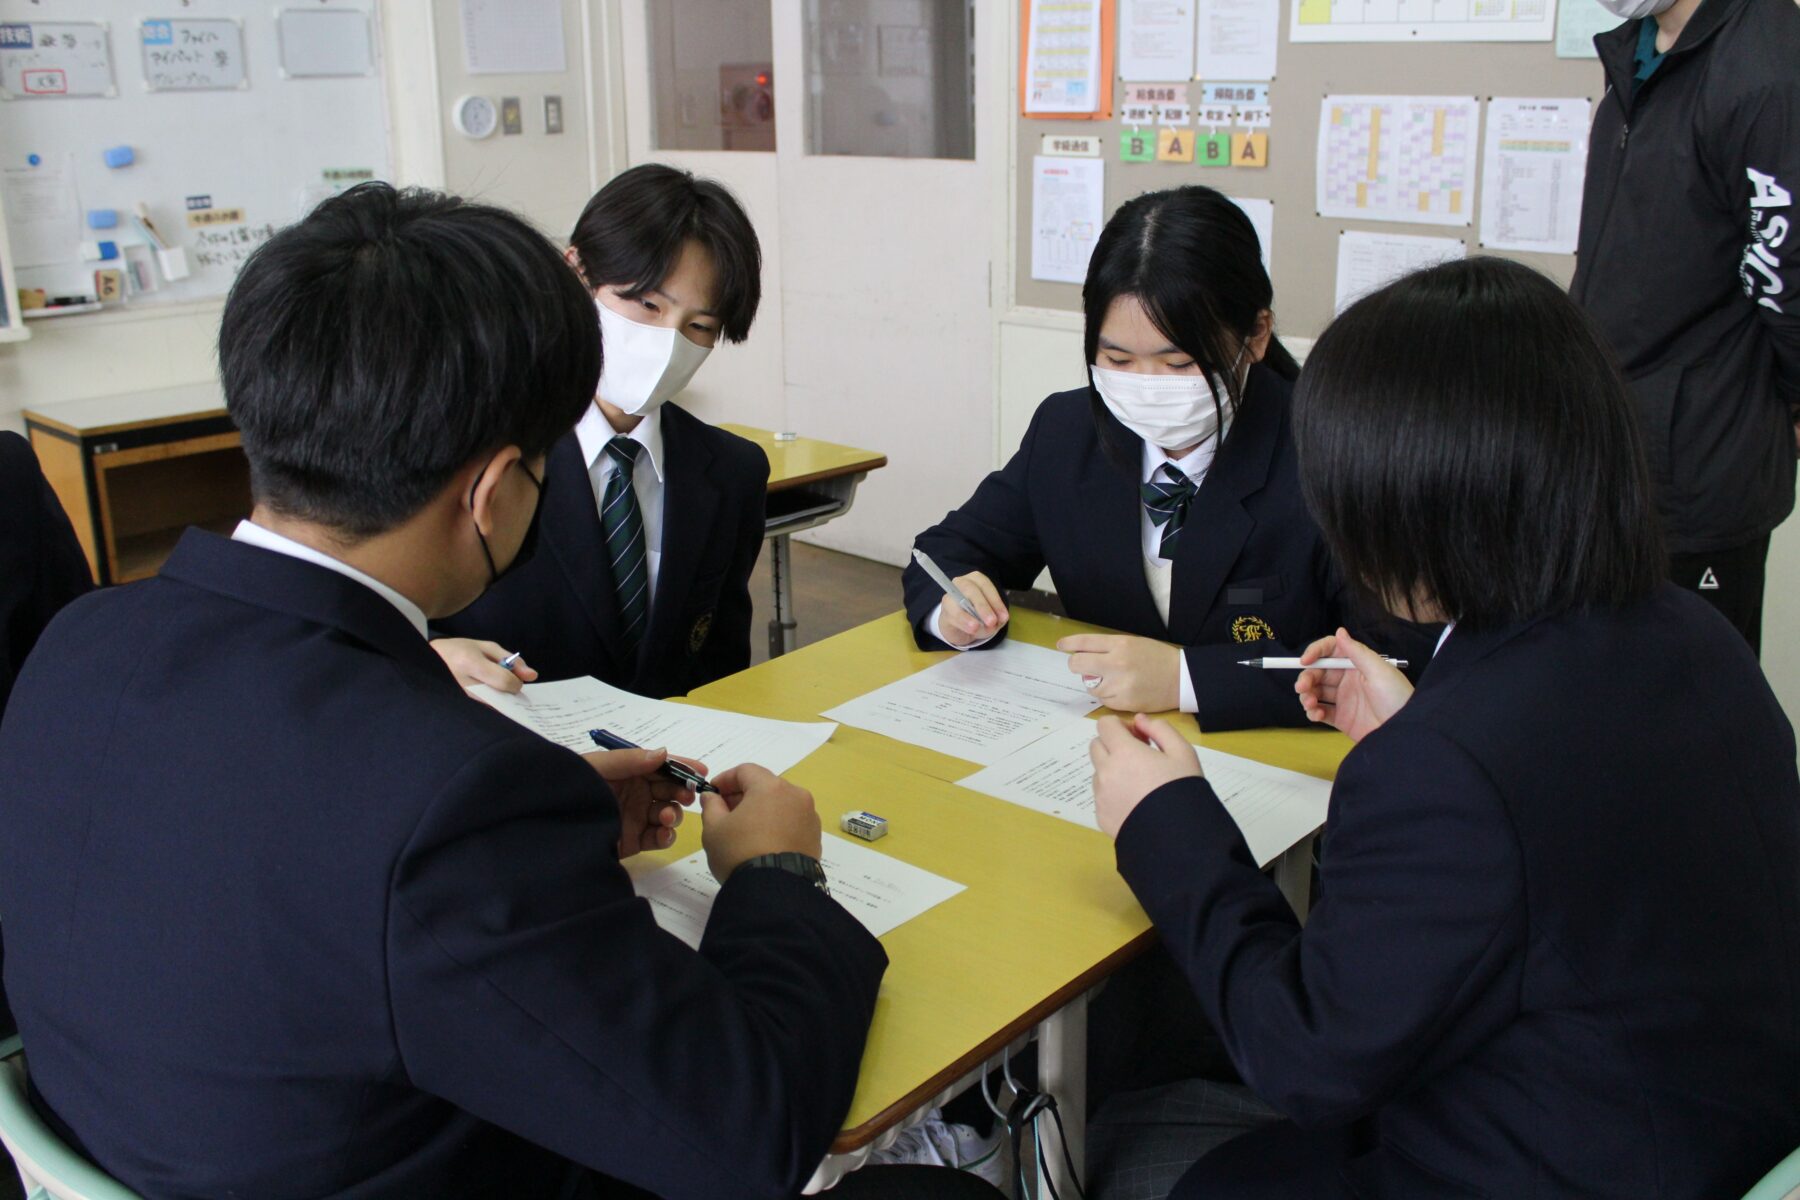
<point x="1293" y="875"/>
<point x="781" y="571"/>
<point x="1062" y="1066"/>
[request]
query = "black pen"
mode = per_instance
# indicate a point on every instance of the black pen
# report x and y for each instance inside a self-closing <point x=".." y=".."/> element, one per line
<point x="672" y="769"/>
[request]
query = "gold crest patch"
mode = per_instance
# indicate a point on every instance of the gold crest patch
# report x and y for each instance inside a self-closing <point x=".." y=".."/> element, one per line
<point x="1251" y="629"/>
<point x="697" y="635"/>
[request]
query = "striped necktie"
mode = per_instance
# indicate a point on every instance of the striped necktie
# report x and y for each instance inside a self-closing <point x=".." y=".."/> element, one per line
<point x="623" y="523"/>
<point x="1166" y="500"/>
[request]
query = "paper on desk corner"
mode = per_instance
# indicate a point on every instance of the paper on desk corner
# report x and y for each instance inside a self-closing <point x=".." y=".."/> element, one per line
<point x="564" y="711"/>
<point x="980" y="705"/>
<point x="880" y="891"/>
<point x="1273" y="807"/>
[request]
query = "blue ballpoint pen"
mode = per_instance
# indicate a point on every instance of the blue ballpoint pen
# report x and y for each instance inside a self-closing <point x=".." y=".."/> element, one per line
<point x="672" y="769"/>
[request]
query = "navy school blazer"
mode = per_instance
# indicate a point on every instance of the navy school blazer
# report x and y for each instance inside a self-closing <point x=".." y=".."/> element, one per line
<point x="1252" y="574"/>
<point x="559" y="608"/>
<point x="289" y="915"/>
<point x="1555" y="948"/>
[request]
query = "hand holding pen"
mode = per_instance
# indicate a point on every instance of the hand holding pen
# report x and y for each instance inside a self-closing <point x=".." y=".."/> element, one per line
<point x="1357" y="700"/>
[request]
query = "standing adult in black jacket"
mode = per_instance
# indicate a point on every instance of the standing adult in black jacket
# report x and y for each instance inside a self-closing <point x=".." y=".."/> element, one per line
<point x="1554" y="950"/>
<point x="293" y="916"/>
<point x="652" y="518"/>
<point x="1689" y="262"/>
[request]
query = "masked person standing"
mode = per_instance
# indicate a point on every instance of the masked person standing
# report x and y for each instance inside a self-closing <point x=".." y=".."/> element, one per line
<point x="1690" y="264"/>
<point x="652" y="518"/>
<point x="1164" y="498"/>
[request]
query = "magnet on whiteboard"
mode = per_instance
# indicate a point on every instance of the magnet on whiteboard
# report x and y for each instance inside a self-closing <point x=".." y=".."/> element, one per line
<point x="99" y="251"/>
<point x="103" y="218"/>
<point x="119" y="156"/>
<point x="173" y="262"/>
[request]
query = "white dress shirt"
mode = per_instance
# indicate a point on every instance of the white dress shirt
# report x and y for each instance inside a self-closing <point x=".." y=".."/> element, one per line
<point x="593" y="432"/>
<point x="250" y="533"/>
<point x="1159" y="572"/>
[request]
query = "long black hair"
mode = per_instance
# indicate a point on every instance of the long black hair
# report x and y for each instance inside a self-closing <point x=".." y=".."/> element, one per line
<point x="1191" y="257"/>
<point x="1466" y="438"/>
<point x="633" y="229"/>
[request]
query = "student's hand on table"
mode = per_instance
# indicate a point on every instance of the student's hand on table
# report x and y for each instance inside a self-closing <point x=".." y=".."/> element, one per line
<point x="649" y="804"/>
<point x="1127" y="674"/>
<point x="474" y="662"/>
<point x="957" y="626"/>
<point x="1357" y="702"/>
<point x="756" y="812"/>
<point x="1131" y="761"/>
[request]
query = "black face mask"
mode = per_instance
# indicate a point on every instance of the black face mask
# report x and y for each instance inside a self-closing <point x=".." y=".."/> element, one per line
<point x="528" y="545"/>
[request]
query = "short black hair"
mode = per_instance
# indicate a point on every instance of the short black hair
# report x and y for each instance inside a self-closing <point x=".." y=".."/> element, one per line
<point x="1192" y="258"/>
<point x="373" y="349"/>
<point x="633" y="229"/>
<point x="1466" y="438"/>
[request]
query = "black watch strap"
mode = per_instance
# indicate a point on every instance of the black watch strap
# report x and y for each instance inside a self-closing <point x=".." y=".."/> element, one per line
<point x="794" y="863"/>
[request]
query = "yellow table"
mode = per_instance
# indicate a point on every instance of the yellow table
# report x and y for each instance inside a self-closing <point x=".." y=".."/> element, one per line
<point x="810" y="482"/>
<point x="1044" y="917"/>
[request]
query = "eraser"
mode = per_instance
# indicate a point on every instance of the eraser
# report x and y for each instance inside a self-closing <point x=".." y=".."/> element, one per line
<point x="865" y="825"/>
<point x="103" y="218"/>
<point x="99" y="251"/>
<point x="119" y="156"/>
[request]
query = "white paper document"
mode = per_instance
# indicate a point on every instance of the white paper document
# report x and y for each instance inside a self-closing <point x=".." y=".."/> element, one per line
<point x="1062" y="57"/>
<point x="1534" y="159"/>
<point x="1068" y="209"/>
<point x="1274" y="808"/>
<point x="878" y="890"/>
<point x="513" y="37"/>
<point x="1367" y="261"/>
<point x="41" y="213"/>
<point x="563" y="712"/>
<point x="1156" y="39"/>
<point x="1398" y="158"/>
<point x="1421" y="20"/>
<point x="981" y="705"/>
<point x="1262" y="219"/>
<point x="1237" y="39"/>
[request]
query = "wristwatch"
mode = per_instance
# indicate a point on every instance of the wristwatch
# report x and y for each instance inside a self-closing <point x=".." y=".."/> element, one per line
<point x="794" y="863"/>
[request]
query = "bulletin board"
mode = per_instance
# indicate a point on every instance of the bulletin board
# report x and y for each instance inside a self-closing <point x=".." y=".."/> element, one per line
<point x="237" y="116"/>
<point x="1305" y="245"/>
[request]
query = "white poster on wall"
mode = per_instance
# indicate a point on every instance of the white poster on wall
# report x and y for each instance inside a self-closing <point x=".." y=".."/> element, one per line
<point x="1262" y="219"/>
<point x="1577" y="21"/>
<point x="513" y="37"/>
<point x="1368" y="261"/>
<point x="1237" y="39"/>
<point x="1422" y="20"/>
<point x="1156" y="39"/>
<point x="1534" y="160"/>
<point x="1068" y="208"/>
<point x="1398" y="158"/>
<point x="1062" y="58"/>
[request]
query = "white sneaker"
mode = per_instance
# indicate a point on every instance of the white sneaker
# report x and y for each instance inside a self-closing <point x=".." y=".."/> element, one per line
<point x="938" y="1143"/>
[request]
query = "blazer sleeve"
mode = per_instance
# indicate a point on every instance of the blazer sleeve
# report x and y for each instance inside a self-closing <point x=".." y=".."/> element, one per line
<point x="994" y="532"/>
<point x="42" y="567"/>
<point x="1409" y="960"/>
<point x="727" y="646"/>
<point x="531" y="988"/>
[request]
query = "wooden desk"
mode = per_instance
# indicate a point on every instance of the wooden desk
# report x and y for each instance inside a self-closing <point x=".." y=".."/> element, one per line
<point x="133" y="471"/>
<point x="810" y="482"/>
<point x="1044" y="917"/>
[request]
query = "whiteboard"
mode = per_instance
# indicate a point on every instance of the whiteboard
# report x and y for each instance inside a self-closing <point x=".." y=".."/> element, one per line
<point x="227" y="145"/>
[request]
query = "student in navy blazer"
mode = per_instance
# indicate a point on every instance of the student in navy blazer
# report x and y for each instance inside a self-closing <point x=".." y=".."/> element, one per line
<point x="1554" y="952"/>
<point x="289" y="914"/>
<point x="1165" y="498"/>
<point x="674" y="266"/>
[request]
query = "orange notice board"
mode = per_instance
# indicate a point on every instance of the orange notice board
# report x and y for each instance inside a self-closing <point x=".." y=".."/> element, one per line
<point x="1103" y="110"/>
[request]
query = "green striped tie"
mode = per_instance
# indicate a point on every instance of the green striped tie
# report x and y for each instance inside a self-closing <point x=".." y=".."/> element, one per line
<point x="1166" y="500"/>
<point x="624" y="526"/>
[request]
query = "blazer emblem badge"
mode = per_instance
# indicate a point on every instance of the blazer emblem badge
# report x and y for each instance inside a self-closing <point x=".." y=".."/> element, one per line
<point x="697" y="635"/>
<point x="1251" y="629"/>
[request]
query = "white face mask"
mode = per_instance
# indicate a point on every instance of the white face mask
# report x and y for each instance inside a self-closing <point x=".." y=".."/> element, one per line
<point x="1631" y="10"/>
<point x="643" y="365"/>
<point x="1170" y="411"/>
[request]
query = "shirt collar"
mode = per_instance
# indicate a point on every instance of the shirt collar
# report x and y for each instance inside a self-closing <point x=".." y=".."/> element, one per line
<point x="1194" y="464"/>
<point x="1442" y="638"/>
<point x="253" y="534"/>
<point x="593" y="432"/>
